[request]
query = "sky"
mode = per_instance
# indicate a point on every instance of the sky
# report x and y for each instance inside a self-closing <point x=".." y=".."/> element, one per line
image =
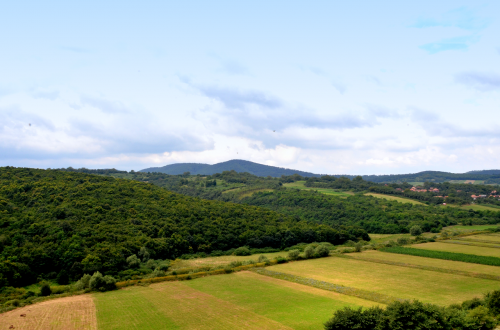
<point x="332" y="87"/>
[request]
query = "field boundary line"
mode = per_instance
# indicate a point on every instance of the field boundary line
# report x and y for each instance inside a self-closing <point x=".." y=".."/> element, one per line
<point x="359" y="293"/>
<point x="471" y="244"/>
<point x="430" y="268"/>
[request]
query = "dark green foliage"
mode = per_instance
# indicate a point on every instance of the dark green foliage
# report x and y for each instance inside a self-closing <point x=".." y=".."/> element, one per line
<point x="493" y="302"/>
<point x="102" y="283"/>
<point x="61" y="220"/>
<point x="412" y="316"/>
<point x="293" y="254"/>
<point x="321" y="251"/>
<point x="470" y="258"/>
<point x="309" y="252"/>
<point x="354" y="319"/>
<point x="242" y="251"/>
<point x="415" y="230"/>
<point x="63" y="277"/>
<point x="45" y="289"/>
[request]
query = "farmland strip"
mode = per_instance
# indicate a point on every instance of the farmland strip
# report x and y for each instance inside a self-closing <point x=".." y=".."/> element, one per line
<point x="360" y="293"/>
<point x="470" y="258"/>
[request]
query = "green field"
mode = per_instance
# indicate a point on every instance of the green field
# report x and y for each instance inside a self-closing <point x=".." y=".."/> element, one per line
<point x="333" y="192"/>
<point x="429" y="262"/>
<point x="467" y="249"/>
<point x="475" y="207"/>
<point x="221" y="261"/>
<point x="384" y="238"/>
<point x="396" y="281"/>
<point x="238" y="301"/>
<point x="394" y="198"/>
<point x="470" y="228"/>
<point x="484" y="237"/>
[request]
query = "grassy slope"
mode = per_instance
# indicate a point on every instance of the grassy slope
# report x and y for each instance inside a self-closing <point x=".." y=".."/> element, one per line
<point x="394" y="198"/>
<point x="492" y="238"/>
<point x="223" y="260"/>
<point x="300" y="185"/>
<point x="396" y="281"/>
<point x="294" y="308"/>
<point x="475" y="207"/>
<point x="477" y="250"/>
<point x="447" y="264"/>
<point x="242" y="300"/>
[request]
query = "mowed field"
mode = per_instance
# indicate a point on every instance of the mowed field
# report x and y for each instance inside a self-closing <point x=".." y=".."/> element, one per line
<point x="242" y="300"/>
<point x="248" y="300"/>
<point x="396" y="281"/>
<point x="394" y="198"/>
<point x="467" y="249"/>
<point x="300" y="185"/>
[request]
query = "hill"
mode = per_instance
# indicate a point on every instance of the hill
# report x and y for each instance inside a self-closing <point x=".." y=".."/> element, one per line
<point x="60" y="222"/>
<point x="237" y="165"/>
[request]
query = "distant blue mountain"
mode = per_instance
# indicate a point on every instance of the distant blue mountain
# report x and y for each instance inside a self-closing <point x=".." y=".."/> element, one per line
<point x="237" y="165"/>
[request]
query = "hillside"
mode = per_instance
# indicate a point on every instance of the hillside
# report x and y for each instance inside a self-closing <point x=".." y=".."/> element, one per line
<point x="59" y="221"/>
<point x="237" y="165"/>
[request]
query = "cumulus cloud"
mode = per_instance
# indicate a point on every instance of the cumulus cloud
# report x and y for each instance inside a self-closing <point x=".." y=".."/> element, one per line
<point x="480" y="81"/>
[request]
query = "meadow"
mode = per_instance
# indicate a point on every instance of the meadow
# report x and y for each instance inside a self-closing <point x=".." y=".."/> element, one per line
<point x="326" y="191"/>
<point x="466" y="249"/>
<point x="394" y="198"/>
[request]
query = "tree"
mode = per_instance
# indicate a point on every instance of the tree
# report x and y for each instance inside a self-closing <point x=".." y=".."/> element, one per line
<point x="102" y="283"/>
<point x="45" y="289"/>
<point x="309" y="252"/>
<point x="133" y="261"/>
<point x="322" y="251"/>
<point x="62" y="277"/>
<point x="416" y="230"/>
<point x="144" y="254"/>
<point x="242" y="251"/>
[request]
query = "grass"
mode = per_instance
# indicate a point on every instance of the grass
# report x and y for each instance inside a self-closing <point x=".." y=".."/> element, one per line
<point x="326" y="191"/>
<point x="429" y="262"/>
<point x="484" y="237"/>
<point x="470" y="228"/>
<point x="470" y="258"/>
<point x="474" y="207"/>
<point x="395" y="281"/>
<point x="394" y="198"/>
<point x="456" y="248"/>
<point x="277" y="300"/>
<point x="221" y="261"/>
<point x="384" y="238"/>
<point x="236" y="301"/>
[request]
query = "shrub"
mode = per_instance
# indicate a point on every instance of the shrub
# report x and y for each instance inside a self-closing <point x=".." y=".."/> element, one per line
<point x="309" y="252"/>
<point x="151" y="264"/>
<point x="415" y="230"/>
<point x="493" y="302"/>
<point x="133" y="261"/>
<point x="358" y="247"/>
<point x="144" y="254"/>
<point x="262" y="258"/>
<point x="102" y="283"/>
<point x="349" y="318"/>
<point x="242" y="251"/>
<point x="164" y="266"/>
<point x="403" y="241"/>
<point x="45" y="289"/>
<point x="322" y="251"/>
<point x="479" y="315"/>
<point x="280" y="260"/>
<point x="293" y="254"/>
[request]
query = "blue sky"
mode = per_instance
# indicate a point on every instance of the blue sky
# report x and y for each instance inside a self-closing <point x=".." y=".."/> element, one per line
<point x="353" y="87"/>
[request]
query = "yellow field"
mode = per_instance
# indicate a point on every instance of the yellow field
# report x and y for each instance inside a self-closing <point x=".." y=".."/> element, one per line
<point x="439" y="263"/>
<point x="326" y="191"/>
<point x="68" y="313"/>
<point x="478" y="250"/>
<point x="394" y="198"/>
<point x="484" y="237"/>
<point x="395" y="281"/>
<point x="221" y="261"/>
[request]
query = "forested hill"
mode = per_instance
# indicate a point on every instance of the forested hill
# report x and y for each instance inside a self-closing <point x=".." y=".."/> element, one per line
<point x="55" y="221"/>
<point x="237" y="165"/>
<point x="489" y="176"/>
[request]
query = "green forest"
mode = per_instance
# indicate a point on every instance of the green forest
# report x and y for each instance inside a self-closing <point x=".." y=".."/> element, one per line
<point x="67" y="222"/>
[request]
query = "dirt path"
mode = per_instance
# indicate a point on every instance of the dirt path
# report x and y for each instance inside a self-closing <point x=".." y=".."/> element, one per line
<point x="68" y="313"/>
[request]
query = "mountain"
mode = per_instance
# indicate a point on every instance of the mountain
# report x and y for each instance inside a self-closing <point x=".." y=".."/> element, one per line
<point x="237" y="165"/>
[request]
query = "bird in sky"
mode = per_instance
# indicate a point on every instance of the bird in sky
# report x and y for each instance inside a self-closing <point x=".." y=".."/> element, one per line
<point x="30" y="124"/>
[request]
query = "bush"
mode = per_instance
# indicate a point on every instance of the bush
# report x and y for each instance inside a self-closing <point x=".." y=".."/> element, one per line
<point x="322" y="251"/>
<point x="102" y="283"/>
<point x="348" y="319"/>
<point x="151" y="264"/>
<point x="293" y="254"/>
<point x="242" y="251"/>
<point x="45" y="289"/>
<point x="133" y="261"/>
<point x="358" y="247"/>
<point x="144" y="254"/>
<point x="280" y="260"/>
<point x="164" y="266"/>
<point x="309" y="252"/>
<point x="403" y="241"/>
<point x="493" y="302"/>
<point x="263" y="258"/>
<point x="415" y="230"/>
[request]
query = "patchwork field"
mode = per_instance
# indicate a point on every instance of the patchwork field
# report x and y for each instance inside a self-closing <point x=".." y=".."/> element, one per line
<point x="396" y="281"/>
<point x="430" y="262"/>
<point x="394" y="198"/>
<point x="470" y="228"/>
<point x="484" y="237"/>
<point x="242" y="300"/>
<point x="468" y="249"/>
<point x="222" y="260"/>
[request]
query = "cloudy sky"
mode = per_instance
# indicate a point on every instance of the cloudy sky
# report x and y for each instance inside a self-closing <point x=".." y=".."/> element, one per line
<point x="355" y="87"/>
